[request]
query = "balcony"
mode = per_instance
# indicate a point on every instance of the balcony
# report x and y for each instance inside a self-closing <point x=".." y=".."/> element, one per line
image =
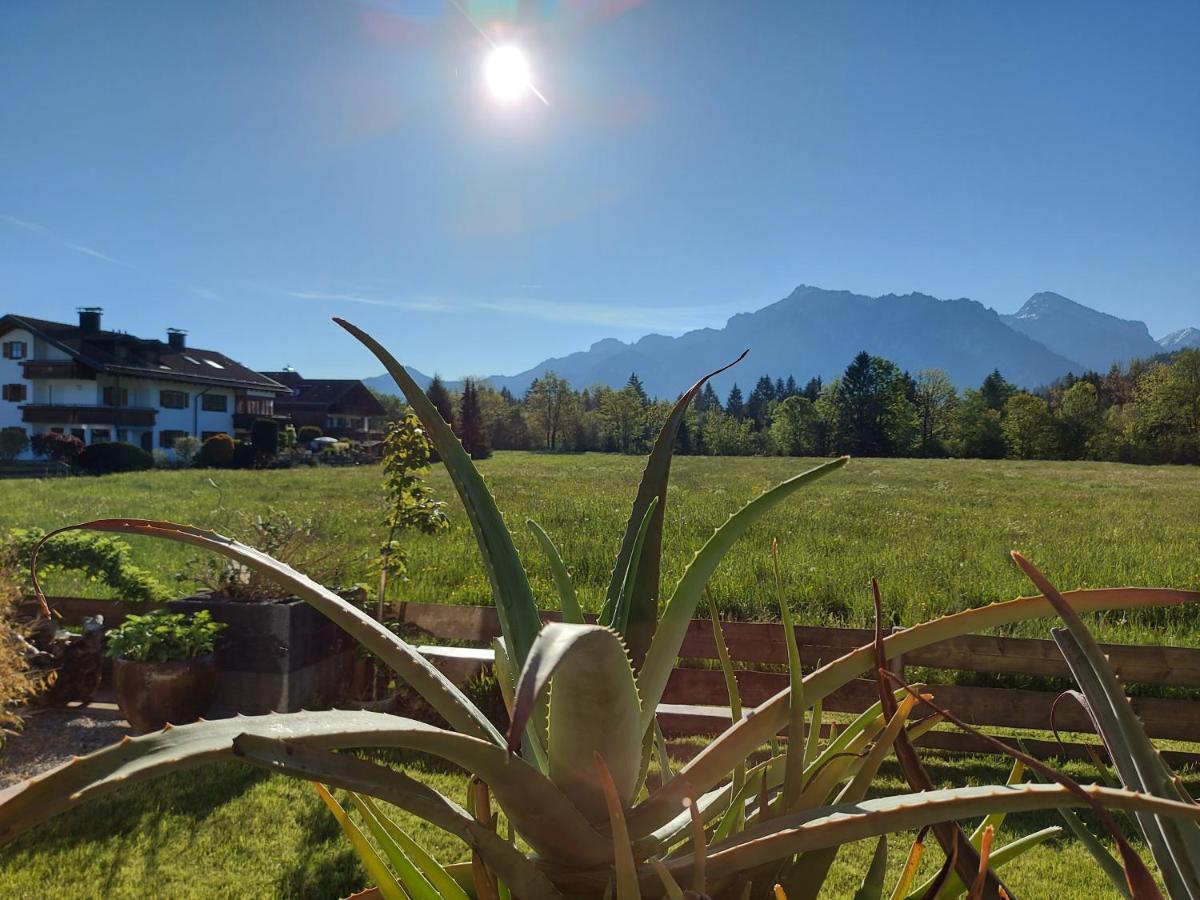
<point x="82" y="414"/>
<point x="57" y="368"/>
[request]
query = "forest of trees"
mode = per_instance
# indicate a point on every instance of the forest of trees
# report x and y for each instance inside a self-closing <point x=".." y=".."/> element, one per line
<point x="1148" y="412"/>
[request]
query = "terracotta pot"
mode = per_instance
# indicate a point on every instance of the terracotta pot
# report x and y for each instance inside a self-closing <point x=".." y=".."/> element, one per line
<point x="151" y="694"/>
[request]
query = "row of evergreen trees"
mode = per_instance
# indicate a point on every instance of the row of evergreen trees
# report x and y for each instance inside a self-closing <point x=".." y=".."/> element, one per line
<point x="1147" y="412"/>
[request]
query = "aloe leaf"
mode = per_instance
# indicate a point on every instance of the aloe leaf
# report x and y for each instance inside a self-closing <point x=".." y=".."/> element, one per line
<point x="1015" y="776"/>
<point x="624" y="867"/>
<point x="872" y="884"/>
<point x="435" y="873"/>
<point x="553" y="826"/>
<point x="643" y="604"/>
<point x="412" y="880"/>
<point x="670" y="885"/>
<point x="354" y="774"/>
<point x="377" y="870"/>
<point x="518" y="612"/>
<point x="836" y="825"/>
<point x="714" y="763"/>
<point x="664" y="648"/>
<point x="423" y="676"/>
<point x="1175" y="845"/>
<point x="599" y="711"/>
<point x="811" y="745"/>
<point x="619" y="621"/>
<point x="533" y="738"/>
<point x="1107" y="862"/>
<point x="568" y="602"/>
<point x="806" y="877"/>
<point x="997" y="858"/>
<point x="911" y="863"/>
<point x="797" y="746"/>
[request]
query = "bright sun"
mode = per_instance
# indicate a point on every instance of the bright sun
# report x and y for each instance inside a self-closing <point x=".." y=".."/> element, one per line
<point x="506" y="71"/>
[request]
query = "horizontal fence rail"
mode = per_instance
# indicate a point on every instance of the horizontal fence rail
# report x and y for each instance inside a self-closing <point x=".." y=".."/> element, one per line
<point x="696" y="702"/>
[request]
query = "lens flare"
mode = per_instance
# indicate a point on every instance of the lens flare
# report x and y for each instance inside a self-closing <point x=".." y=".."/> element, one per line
<point x="506" y="71"/>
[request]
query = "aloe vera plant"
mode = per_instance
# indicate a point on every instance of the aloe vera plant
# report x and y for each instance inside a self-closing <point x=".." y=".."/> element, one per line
<point x="570" y="775"/>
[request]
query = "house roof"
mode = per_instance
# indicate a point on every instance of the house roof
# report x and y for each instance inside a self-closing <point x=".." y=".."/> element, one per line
<point x="326" y="393"/>
<point x="117" y="353"/>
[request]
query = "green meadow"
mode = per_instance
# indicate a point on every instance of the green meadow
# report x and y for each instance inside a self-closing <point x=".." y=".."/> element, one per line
<point x="935" y="532"/>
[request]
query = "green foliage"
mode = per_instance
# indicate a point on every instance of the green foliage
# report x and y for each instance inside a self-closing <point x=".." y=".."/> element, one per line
<point x="439" y="396"/>
<point x="17" y="684"/>
<point x="264" y="435"/>
<point x="162" y="636"/>
<point x="110" y="457"/>
<point x="217" y="452"/>
<point x="1027" y="427"/>
<point x="187" y="448"/>
<point x="297" y="540"/>
<point x="471" y="428"/>
<point x="13" y="442"/>
<point x="102" y="559"/>
<point x="410" y="504"/>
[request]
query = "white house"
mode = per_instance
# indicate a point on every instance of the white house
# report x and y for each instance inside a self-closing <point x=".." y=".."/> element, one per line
<point x="110" y="386"/>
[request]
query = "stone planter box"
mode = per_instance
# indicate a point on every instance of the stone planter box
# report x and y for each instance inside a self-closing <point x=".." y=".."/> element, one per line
<point x="275" y="656"/>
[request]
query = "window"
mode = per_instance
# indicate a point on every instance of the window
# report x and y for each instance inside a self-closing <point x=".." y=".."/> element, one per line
<point x="15" y="393"/>
<point x="173" y="399"/>
<point x="167" y="438"/>
<point x="256" y="406"/>
<point x="214" y="403"/>
<point x="115" y="396"/>
<point x="16" y="349"/>
<point x="101" y="434"/>
<point x="77" y="432"/>
<point x="205" y="435"/>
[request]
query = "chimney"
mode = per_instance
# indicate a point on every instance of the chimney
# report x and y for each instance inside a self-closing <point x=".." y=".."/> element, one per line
<point x="89" y="319"/>
<point x="176" y="338"/>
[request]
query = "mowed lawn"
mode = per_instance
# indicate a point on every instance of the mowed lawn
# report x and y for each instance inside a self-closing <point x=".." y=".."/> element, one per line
<point x="233" y="831"/>
<point x="935" y="532"/>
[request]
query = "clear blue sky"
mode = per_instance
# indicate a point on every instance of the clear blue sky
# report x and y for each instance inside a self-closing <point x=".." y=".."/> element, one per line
<point x="247" y="169"/>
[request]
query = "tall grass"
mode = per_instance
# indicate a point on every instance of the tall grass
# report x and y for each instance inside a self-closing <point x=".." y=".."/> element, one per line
<point x="936" y="532"/>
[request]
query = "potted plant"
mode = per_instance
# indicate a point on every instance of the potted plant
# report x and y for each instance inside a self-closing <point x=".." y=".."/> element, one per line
<point x="163" y="667"/>
<point x="278" y="654"/>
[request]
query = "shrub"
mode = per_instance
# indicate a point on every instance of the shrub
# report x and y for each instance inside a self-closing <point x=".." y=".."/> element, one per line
<point x="162" y="636"/>
<point x="57" y="447"/>
<point x="217" y="451"/>
<point x="287" y="439"/>
<point x="107" y="560"/>
<point x="309" y="433"/>
<point x="17" y="685"/>
<point x="265" y="437"/>
<point x="13" y="442"/>
<point x="244" y="455"/>
<point x="186" y="449"/>
<point x="109" y="457"/>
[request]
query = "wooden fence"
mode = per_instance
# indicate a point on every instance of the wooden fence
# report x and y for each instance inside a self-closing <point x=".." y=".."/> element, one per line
<point x="695" y="701"/>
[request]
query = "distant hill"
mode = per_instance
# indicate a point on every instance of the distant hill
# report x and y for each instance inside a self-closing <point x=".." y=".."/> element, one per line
<point x="1094" y="339"/>
<point x="817" y="332"/>
<point x="385" y="384"/>
<point x="1181" y="340"/>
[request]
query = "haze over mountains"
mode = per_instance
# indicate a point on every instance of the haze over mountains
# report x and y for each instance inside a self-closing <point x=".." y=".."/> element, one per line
<point x="817" y="332"/>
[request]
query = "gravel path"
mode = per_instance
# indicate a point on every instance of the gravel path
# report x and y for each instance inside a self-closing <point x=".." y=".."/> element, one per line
<point x="50" y="737"/>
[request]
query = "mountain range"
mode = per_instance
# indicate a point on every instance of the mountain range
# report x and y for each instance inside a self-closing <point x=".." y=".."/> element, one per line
<point x="814" y="331"/>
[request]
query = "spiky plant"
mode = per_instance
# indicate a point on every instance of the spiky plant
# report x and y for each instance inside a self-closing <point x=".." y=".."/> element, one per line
<point x="569" y="778"/>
